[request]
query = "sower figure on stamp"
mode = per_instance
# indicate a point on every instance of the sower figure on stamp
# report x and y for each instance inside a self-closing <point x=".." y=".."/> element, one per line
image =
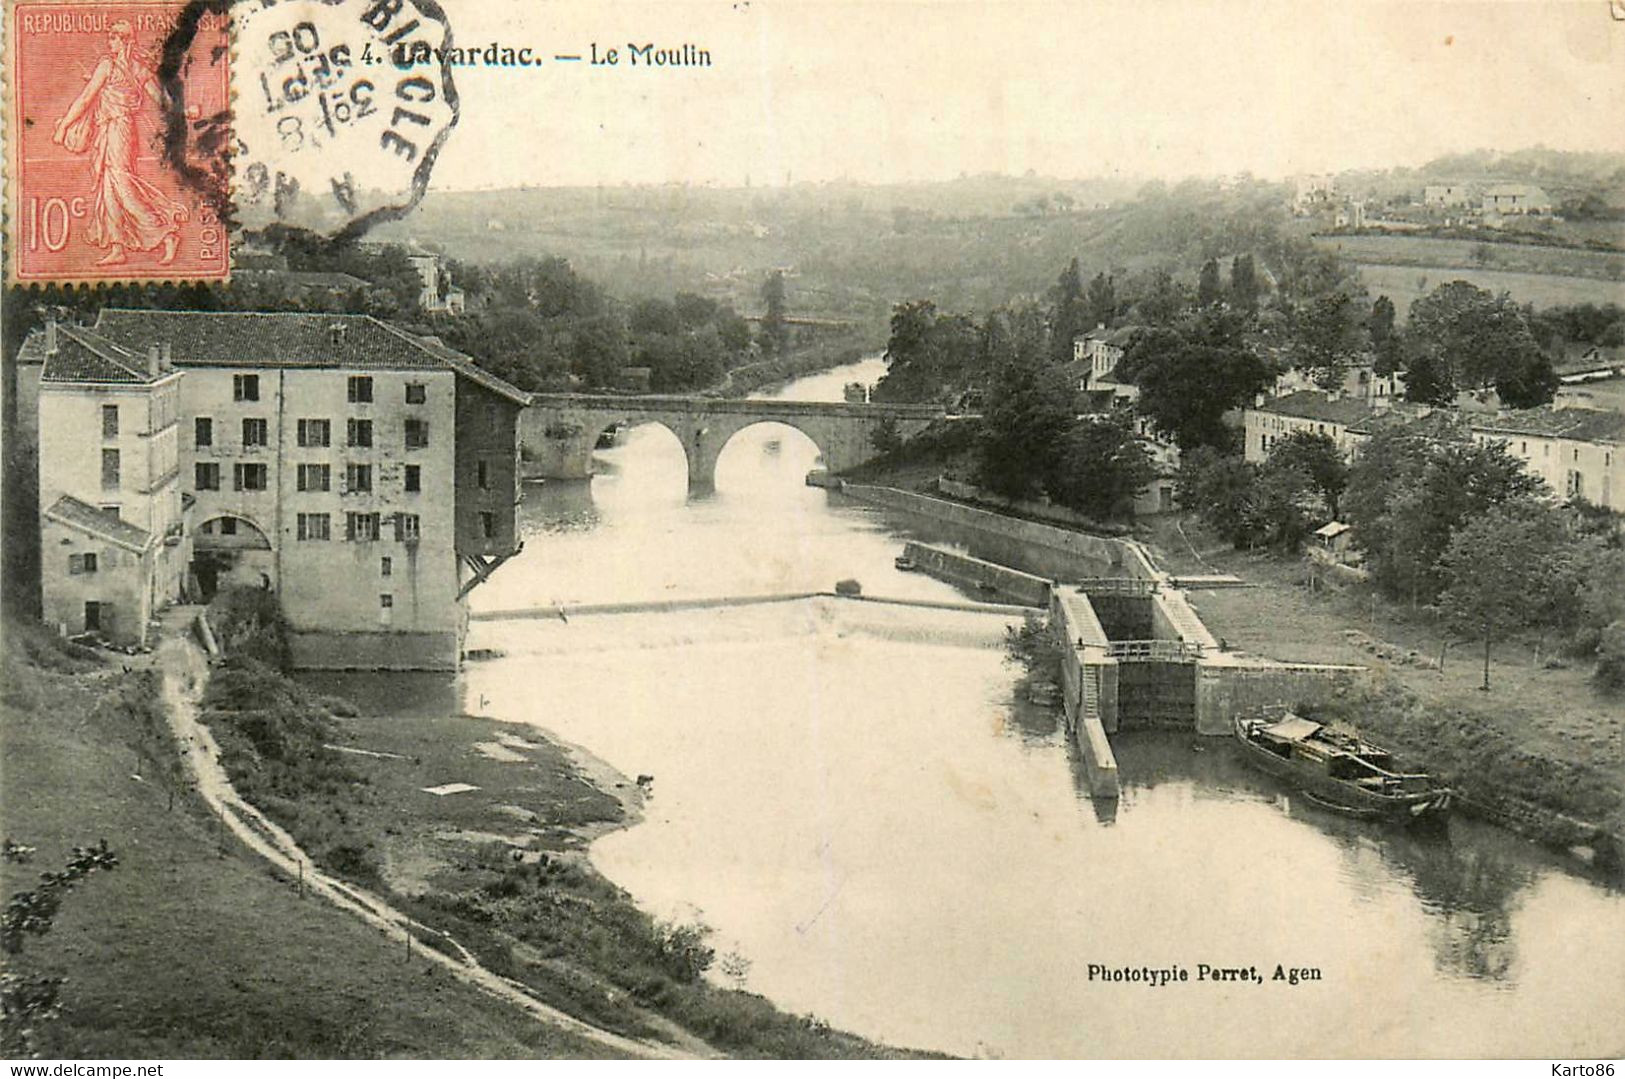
<point x="129" y="212"/>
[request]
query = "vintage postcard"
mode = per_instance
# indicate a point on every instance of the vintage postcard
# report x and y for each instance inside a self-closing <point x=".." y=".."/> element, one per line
<point x="813" y="529"/>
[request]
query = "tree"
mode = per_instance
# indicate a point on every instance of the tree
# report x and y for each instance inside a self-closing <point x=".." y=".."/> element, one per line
<point x="1243" y="284"/>
<point x="1532" y="385"/>
<point x="775" y="331"/>
<point x="1469" y="338"/>
<point x="1610" y="674"/>
<point x="1411" y="488"/>
<point x="1219" y="489"/>
<point x="1031" y="405"/>
<point x="1496" y="570"/>
<point x="1380" y="323"/>
<point x="1273" y="511"/>
<point x="1326" y="337"/>
<point x="1207" y="284"/>
<point x="1386" y="346"/>
<point x="1164" y="301"/>
<point x="1318" y="459"/>
<point x="885" y="438"/>
<point x="1101" y="300"/>
<point x="1101" y="466"/>
<point x="929" y="355"/>
<point x="1069" y="315"/>
<point x="1187" y="385"/>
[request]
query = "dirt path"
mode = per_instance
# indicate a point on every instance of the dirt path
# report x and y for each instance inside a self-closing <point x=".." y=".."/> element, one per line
<point x="184" y="670"/>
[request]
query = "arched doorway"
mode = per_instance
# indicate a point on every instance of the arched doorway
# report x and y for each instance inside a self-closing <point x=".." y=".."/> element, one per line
<point x="230" y="551"/>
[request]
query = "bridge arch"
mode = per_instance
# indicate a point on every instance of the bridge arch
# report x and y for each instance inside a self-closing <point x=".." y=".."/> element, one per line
<point x="596" y="428"/>
<point x="719" y="436"/>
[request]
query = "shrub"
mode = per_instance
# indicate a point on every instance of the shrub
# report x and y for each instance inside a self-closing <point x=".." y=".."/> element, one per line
<point x="248" y="624"/>
<point x="1610" y="674"/>
<point x="682" y="949"/>
<point x="1034" y="647"/>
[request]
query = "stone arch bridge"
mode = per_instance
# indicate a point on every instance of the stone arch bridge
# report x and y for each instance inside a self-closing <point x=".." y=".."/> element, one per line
<point x="559" y="430"/>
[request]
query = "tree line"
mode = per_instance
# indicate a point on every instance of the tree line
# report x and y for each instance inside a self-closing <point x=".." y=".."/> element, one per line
<point x="534" y="321"/>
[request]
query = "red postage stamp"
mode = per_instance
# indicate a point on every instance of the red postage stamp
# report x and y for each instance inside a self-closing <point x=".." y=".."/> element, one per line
<point x="105" y="178"/>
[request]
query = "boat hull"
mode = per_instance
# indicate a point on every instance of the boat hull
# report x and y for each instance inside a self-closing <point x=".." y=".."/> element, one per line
<point x="1413" y="808"/>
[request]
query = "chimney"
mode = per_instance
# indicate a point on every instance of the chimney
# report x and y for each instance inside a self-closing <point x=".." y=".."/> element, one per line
<point x="166" y="359"/>
<point x="50" y="335"/>
<point x="152" y="361"/>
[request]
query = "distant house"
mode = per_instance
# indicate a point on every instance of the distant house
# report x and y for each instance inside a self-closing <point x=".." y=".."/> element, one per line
<point x="1313" y="191"/>
<point x="1449" y="196"/>
<point x="1351" y="215"/>
<point x="1360" y="382"/>
<point x="1577" y="451"/>
<point x="1334" y="537"/>
<point x="1095" y="356"/>
<point x="1516" y="199"/>
<point x="1339" y="418"/>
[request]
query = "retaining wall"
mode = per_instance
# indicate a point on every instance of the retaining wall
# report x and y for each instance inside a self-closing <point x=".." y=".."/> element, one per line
<point x="1083" y="657"/>
<point x="1174" y="619"/>
<point x="374" y="651"/>
<point x="1044" y="550"/>
<point x="1031" y="507"/>
<point x="962" y="569"/>
<point x="1126" y="618"/>
<point x="1227" y="687"/>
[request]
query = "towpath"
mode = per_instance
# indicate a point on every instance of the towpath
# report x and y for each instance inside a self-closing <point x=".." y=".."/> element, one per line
<point x="183" y="666"/>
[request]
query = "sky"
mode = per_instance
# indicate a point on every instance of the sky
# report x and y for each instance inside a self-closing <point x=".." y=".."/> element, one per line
<point x="903" y="90"/>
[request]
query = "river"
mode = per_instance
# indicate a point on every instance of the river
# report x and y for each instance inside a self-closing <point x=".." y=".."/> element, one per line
<point x="879" y="835"/>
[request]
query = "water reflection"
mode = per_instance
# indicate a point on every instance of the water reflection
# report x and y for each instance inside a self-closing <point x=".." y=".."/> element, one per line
<point x="850" y="794"/>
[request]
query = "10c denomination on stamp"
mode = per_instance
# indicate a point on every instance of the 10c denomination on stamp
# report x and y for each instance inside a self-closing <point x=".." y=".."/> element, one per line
<point x="97" y="193"/>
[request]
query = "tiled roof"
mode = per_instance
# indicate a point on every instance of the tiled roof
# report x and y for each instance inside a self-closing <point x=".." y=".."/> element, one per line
<point x="1312" y="405"/>
<point x="265" y="339"/>
<point x="99" y="523"/>
<point x="293" y="339"/>
<point x="466" y="367"/>
<point x="84" y="356"/>
<point x="1422" y="420"/>
<point x="1583" y="424"/>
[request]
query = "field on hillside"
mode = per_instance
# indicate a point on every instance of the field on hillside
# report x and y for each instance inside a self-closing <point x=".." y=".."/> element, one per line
<point x="1489" y="254"/>
<point x="1426" y="252"/>
<point x="1404" y="284"/>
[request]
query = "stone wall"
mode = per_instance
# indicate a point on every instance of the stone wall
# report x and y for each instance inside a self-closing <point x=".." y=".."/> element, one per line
<point x="1125" y="617"/>
<point x="963" y="569"/>
<point x="374" y="651"/>
<point x="1084" y="661"/>
<point x="1041" y="549"/>
<point x="1227" y="686"/>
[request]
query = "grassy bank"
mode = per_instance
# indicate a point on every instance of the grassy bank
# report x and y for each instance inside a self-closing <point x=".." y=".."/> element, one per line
<point x="499" y="865"/>
<point x="946" y="447"/>
<point x="1543" y="736"/>
<point x="191" y="948"/>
